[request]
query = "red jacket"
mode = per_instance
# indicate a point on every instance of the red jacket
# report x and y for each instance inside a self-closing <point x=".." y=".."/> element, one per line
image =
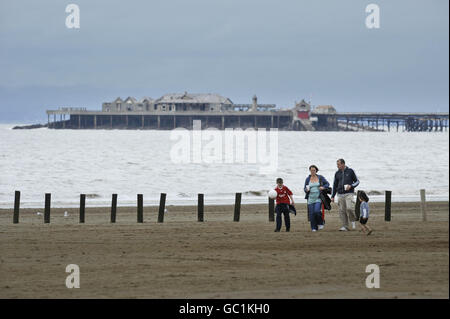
<point x="282" y="197"/>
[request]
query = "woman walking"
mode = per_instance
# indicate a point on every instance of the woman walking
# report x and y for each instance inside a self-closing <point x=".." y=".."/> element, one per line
<point x="314" y="184"/>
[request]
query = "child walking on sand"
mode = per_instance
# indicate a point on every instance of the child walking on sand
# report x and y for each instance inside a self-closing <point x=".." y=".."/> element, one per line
<point x="284" y="199"/>
<point x="364" y="213"/>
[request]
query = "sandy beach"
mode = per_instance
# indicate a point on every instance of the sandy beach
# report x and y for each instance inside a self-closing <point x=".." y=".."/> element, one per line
<point x="219" y="258"/>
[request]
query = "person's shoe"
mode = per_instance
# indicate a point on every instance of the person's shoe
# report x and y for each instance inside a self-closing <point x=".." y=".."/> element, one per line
<point x="277" y="230"/>
<point x="370" y="232"/>
<point x="353" y="225"/>
<point x="314" y="230"/>
<point x="321" y="227"/>
<point x="343" y="228"/>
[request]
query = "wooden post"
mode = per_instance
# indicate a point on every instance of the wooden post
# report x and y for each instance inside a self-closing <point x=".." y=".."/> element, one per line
<point x="47" y="208"/>
<point x="271" y="210"/>
<point x="237" y="207"/>
<point x="82" y="207"/>
<point x="16" y="207"/>
<point x="140" y="208"/>
<point x="162" y="206"/>
<point x="357" y="205"/>
<point x="200" y="207"/>
<point x="113" y="208"/>
<point x="423" y="206"/>
<point x="387" y="210"/>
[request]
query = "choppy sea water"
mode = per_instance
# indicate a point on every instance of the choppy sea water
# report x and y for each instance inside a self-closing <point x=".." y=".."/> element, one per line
<point x="99" y="163"/>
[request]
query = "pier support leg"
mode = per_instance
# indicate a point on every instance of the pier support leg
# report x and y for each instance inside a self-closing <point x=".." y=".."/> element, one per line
<point x="223" y="122"/>
<point x="143" y="121"/>
<point x="95" y="121"/>
<point x="79" y="121"/>
<point x="159" y="122"/>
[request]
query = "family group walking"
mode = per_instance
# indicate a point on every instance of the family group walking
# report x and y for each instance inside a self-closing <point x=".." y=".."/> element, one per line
<point x="317" y="189"/>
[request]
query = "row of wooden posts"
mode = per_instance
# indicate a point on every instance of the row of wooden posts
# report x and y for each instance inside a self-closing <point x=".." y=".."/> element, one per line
<point x="140" y="208"/>
<point x="200" y="207"/>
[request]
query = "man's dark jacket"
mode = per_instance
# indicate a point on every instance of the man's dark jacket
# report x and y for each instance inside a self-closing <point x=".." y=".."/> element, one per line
<point x="345" y="177"/>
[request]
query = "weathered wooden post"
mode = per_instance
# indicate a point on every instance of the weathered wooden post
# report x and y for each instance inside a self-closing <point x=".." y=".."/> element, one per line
<point x="423" y="205"/>
<point x="387" y="207"/>
<point x="47" y="208"/>
<point x="237" y="207"/>
<point x="140" y="208"/>
<point x="271" y="210"/>
<point x="162" y="206"/>
<point x="16" y="207"/>
<point x="82" y="207"/>
<point x="357" y="205"/>
<point x="113" y="208"/>
<point x="200" y="207"/>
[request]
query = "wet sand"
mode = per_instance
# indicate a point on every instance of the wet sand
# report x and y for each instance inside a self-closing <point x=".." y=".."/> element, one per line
<point x="219" y="258"/>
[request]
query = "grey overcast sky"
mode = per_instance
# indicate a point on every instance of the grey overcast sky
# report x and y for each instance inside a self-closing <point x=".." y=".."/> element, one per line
<point x="282" y="51"/>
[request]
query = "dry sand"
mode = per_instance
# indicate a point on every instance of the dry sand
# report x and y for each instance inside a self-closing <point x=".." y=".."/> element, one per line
<point x="219" y="258"/>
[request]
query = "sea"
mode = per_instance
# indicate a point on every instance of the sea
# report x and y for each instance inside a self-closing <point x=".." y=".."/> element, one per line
<point x="183" y="164"/>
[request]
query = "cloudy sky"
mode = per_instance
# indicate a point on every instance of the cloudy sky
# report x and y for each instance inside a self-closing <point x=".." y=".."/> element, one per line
<point x="282" y="51"/>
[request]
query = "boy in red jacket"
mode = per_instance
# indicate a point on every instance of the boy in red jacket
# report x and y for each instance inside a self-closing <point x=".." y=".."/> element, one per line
<point x="284" y="199"/>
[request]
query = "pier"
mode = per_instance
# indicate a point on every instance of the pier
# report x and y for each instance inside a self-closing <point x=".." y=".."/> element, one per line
<point x="374" y="121"/>
<point x="161" y="120"/>
<point x="179" y="110"/>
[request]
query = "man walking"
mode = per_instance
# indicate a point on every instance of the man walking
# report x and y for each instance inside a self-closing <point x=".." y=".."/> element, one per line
<point x="345" y="181"/>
